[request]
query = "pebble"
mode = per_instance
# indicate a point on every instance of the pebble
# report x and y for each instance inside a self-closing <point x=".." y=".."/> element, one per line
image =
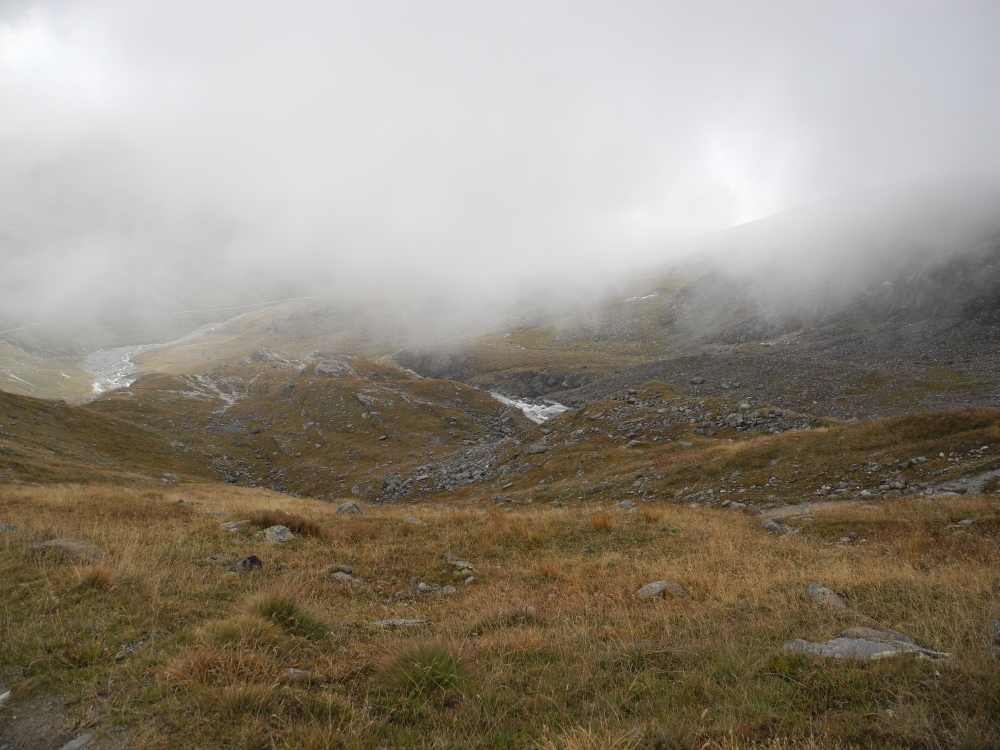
<point x="659" y="589"/>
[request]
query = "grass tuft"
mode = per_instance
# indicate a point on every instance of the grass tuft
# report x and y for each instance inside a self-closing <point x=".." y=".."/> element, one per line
<point x="426" y="671"/>
<point x="99" y="576"/>
<point x="282" y="609"/>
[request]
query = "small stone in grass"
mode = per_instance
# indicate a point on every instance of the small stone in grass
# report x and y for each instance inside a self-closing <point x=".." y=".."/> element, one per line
<point x="294" y="674"/>
<point x="351" y="507"/>
<point x="822" y="595"/>
<point x="414" y="521"/>
<point x="233" y="526"/>
<point x="78" y="743"/>
<point x="247" y="564"/>
<point x="659" y="589"/>
<point x="69" y="549"/>
<point x="6" y="528"/>
<point x="398" y="623"/>
<point x="277" y="534"/>
<point x="215" y="560"/>
<point x="470" y="580"/>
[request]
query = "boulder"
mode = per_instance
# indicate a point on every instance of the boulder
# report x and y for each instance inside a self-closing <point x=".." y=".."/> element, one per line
<point x="247" y="564"/>
<point x="660" y="589"/>
<point x="72" y="550"/>
<point x="277" y="534"/>
<point x="351" y="507"/>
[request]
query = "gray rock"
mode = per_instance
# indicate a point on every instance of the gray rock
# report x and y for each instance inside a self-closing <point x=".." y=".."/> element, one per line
<point x="215" y="560"/>
<point x="398" y="623"/>
<point x="342" y="569"/>
<point x="4" y="697"/>
<point x="772" y="526"/>
<point x="659" y="589"/>
<point x="426" y="588"/>
<point x="293" y="674"/>
<point x="351" y="507"/>
<point x="448" y="589"/>
<point x="860" y="648"/>
<point x="697" y="380"/>
<point x="414" y="521"/>
<point x="463" y="565"/>
<point x="233" y="525"/>
<point x="626" y="505"/>
<point x="822" y="595"/>
<point x="247" y="564"/>
<point x="685" y="444"/>
<point x="277" y="534"/>
<point x="995" y="632"/>
<point x="6" y="528"/>
<point x="536" y="449"/>
<point x="344" y="577"/>
<point x="69" y="549"/>
<point x="79" y="742"/>
<point x="470" y="580"/>
<point x="335" y="368"/>
<point x="168" y="478"/>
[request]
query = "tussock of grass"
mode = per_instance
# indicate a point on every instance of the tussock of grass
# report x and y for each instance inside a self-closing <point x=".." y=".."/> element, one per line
<point x="281" y="608"/>
<point x="98" y="576"/>
<point x="427" y="671"/>
<point x="295" y="523"/>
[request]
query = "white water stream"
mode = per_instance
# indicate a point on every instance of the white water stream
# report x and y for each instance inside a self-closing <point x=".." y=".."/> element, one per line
<point x="116" y="368"/>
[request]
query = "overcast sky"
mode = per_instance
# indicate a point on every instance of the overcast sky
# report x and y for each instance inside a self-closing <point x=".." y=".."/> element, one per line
<point x="460" y="138"/>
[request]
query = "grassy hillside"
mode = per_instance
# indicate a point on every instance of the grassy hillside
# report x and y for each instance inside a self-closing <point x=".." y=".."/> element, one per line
<point x="157" y="647"/>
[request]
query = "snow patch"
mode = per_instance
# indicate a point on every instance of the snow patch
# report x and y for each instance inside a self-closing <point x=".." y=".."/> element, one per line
<point x="537" y="413"/>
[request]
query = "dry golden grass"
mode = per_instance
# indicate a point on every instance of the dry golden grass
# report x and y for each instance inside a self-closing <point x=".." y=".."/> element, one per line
<point x="556" y="651"/>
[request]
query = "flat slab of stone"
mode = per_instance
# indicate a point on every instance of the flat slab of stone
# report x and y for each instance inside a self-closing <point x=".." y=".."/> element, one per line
<point x="660" y="589"/>
<point x="78" y="742"/>
<point x="351" y="507"/>
<point x="69" y="549"/>
<point x="877" y="634"/>
<point x="861" y="649"/>
<point x="233" y="525"/>
<point x="398" y="623"/>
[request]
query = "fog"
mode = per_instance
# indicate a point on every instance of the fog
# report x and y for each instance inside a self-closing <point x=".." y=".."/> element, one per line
<point x="166" y="156"/>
